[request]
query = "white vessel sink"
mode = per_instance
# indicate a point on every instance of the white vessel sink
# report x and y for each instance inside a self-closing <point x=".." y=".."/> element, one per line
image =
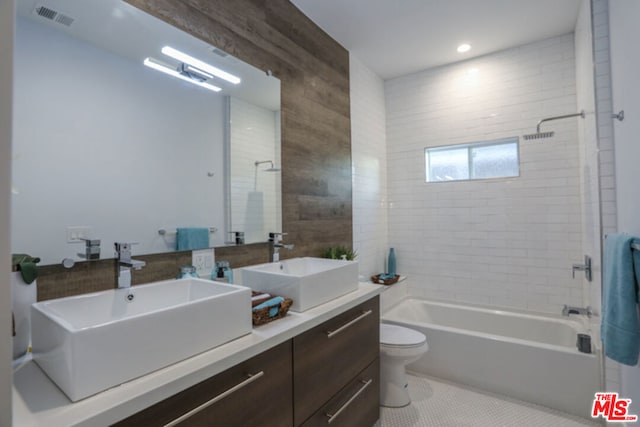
<point x="92" y="342"/>
<point x="307" y="281"/>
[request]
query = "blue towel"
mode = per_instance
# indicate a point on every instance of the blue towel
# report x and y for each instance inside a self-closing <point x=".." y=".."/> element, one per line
<point x="620" y="328"/>
<point x="192" y="239"/>
<point x="274" y="303"/>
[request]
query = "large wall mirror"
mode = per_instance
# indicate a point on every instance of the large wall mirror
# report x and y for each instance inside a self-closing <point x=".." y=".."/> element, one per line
<point x="118" y="135"/>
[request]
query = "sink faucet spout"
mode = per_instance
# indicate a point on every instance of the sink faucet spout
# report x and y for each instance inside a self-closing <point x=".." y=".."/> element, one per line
<point x="124" y="264"/>
<point x="276" y="243"/>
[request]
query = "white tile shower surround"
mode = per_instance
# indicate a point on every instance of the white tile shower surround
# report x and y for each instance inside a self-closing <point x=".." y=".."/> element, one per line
<point x="606" y="160"/>
<point x="253" y="138"/>
<point x="369" y="157"/>
<point x="508" y="242"/>
<point x="437" y="403"/>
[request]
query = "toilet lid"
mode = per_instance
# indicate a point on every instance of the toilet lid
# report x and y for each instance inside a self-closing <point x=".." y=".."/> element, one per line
<point x="400" y="336"/>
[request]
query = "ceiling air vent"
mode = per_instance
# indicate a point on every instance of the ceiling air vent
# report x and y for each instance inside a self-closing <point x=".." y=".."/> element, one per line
<point x="45" y="12"/>
<point x="53" y="15"/>
<point x="219" y="52"/>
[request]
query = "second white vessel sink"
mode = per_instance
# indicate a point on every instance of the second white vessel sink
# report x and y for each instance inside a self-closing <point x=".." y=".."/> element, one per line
<point x="92" y="342"/>
<point x="307" y="281"/>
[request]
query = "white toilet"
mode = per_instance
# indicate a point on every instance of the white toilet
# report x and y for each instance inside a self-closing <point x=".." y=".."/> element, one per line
<point x="399" y="346"/>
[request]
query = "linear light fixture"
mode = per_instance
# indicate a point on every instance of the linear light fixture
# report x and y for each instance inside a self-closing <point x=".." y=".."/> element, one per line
<point x="198" y="71"/>
<point x="151" y="63"/>
<point x="190" y="60"/>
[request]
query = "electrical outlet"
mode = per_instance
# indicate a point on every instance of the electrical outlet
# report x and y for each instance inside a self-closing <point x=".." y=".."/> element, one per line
<point x="76" y="233"/>
<point x="203" y="260"/>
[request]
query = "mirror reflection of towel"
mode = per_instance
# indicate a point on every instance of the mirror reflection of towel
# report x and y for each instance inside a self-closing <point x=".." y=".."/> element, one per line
<point x="192" y="238"/>
<point x="26" y="265"/>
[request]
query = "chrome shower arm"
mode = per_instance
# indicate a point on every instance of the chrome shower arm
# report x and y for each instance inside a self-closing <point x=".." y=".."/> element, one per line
<point x="566" y="116"/>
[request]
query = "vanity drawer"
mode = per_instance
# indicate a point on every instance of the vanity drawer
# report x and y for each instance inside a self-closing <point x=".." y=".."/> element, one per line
<point x="357" y="404"/>
<point x="329" y="356"/>
<point x="264" y="399"/>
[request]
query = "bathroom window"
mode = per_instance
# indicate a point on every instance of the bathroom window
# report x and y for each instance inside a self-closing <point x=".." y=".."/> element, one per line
<point x="476" y="160"/>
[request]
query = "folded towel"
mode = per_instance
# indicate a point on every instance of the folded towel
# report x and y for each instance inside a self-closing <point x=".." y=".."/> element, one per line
<point x="259" y="299"/>
<point x="274" y="303"/>
<point x="26" y="265"/>
<point x="620" y="327"/>
<point x="192" y="239"/>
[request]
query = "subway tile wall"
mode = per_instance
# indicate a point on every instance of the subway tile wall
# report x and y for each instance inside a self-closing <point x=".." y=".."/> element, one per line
<point x="506" y="242"/>
<point x="255" y="201"/>
<point x="368" y="153"/>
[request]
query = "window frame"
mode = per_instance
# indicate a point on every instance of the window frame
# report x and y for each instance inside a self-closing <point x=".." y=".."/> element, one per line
<point x="469" y="146"/>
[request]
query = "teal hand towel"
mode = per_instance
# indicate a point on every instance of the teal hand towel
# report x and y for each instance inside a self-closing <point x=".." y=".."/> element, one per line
<point x="192" y="238"/>
<point x="620" y="327"/>
<point x="274" y="303"/>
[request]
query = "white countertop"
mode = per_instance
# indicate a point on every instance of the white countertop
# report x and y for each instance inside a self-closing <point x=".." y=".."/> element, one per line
<point x="38" y="402"/>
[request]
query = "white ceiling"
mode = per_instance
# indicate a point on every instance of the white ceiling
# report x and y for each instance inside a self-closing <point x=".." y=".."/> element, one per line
<point x="395" y="38"/>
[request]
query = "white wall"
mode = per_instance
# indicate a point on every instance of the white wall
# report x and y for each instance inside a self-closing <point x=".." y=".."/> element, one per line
<point x="103" y="141"/>
<point x="369" y="157"/>
<point x="624" y="33"/>
<point x="6" y="88"/>
<point x="507" y="242"/>
<point x="255" y="194"/>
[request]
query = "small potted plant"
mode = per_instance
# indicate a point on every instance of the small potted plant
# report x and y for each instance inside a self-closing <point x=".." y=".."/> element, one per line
<point x="340" y="252"/>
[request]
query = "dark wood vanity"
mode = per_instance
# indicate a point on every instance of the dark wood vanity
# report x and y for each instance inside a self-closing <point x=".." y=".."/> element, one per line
<point x="329" y="373"/>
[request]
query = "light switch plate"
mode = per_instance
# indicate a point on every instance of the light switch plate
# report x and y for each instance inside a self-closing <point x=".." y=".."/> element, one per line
<point x="203" y="260"/>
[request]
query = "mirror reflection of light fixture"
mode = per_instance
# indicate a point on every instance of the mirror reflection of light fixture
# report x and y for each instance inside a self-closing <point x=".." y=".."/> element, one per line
<point x="201" y="66"/>
<point x="186" y="76"/>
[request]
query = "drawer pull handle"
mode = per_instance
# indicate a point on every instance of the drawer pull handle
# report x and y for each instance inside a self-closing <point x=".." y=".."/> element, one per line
<point x="332" y="417"/>
<point x="251" y="378"/>
<point x="346" y="325"/>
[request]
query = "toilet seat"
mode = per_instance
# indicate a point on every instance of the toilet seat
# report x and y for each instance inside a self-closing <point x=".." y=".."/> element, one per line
<point x="400" y="337"/>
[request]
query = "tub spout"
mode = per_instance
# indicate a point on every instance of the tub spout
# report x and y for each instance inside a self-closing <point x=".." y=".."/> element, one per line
<point x="567" y="310"/>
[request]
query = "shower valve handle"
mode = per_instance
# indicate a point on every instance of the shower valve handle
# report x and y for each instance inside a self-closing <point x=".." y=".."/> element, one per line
<point x="586" y="267"/>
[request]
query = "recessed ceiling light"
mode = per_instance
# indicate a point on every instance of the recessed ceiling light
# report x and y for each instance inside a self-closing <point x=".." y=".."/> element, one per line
<point x="464" y="47"/>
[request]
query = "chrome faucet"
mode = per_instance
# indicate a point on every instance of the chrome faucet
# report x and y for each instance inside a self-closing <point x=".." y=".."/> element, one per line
<point x="567" y="310"/>
<point x="276" y="239"/>
<point x="124" y="264"/>
<point x="92" y="249"/>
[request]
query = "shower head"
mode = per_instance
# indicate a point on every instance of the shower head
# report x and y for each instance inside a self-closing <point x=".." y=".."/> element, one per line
<point x="538" y="135"/>
<point x="271" y="169"/>
<point x="541" y="135"/>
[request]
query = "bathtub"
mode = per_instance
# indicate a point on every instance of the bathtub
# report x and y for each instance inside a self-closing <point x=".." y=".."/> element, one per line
<point x="525" y="356"/>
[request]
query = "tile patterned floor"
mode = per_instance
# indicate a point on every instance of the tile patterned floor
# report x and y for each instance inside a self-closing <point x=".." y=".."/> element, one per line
<point x="436" y="403"/>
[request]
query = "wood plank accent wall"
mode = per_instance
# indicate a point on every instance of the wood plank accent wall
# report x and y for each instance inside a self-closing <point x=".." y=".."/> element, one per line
<point x="316" y="129"/>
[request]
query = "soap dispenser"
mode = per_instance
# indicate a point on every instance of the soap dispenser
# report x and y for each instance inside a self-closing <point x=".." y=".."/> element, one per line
<point x="222" y="272"/>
